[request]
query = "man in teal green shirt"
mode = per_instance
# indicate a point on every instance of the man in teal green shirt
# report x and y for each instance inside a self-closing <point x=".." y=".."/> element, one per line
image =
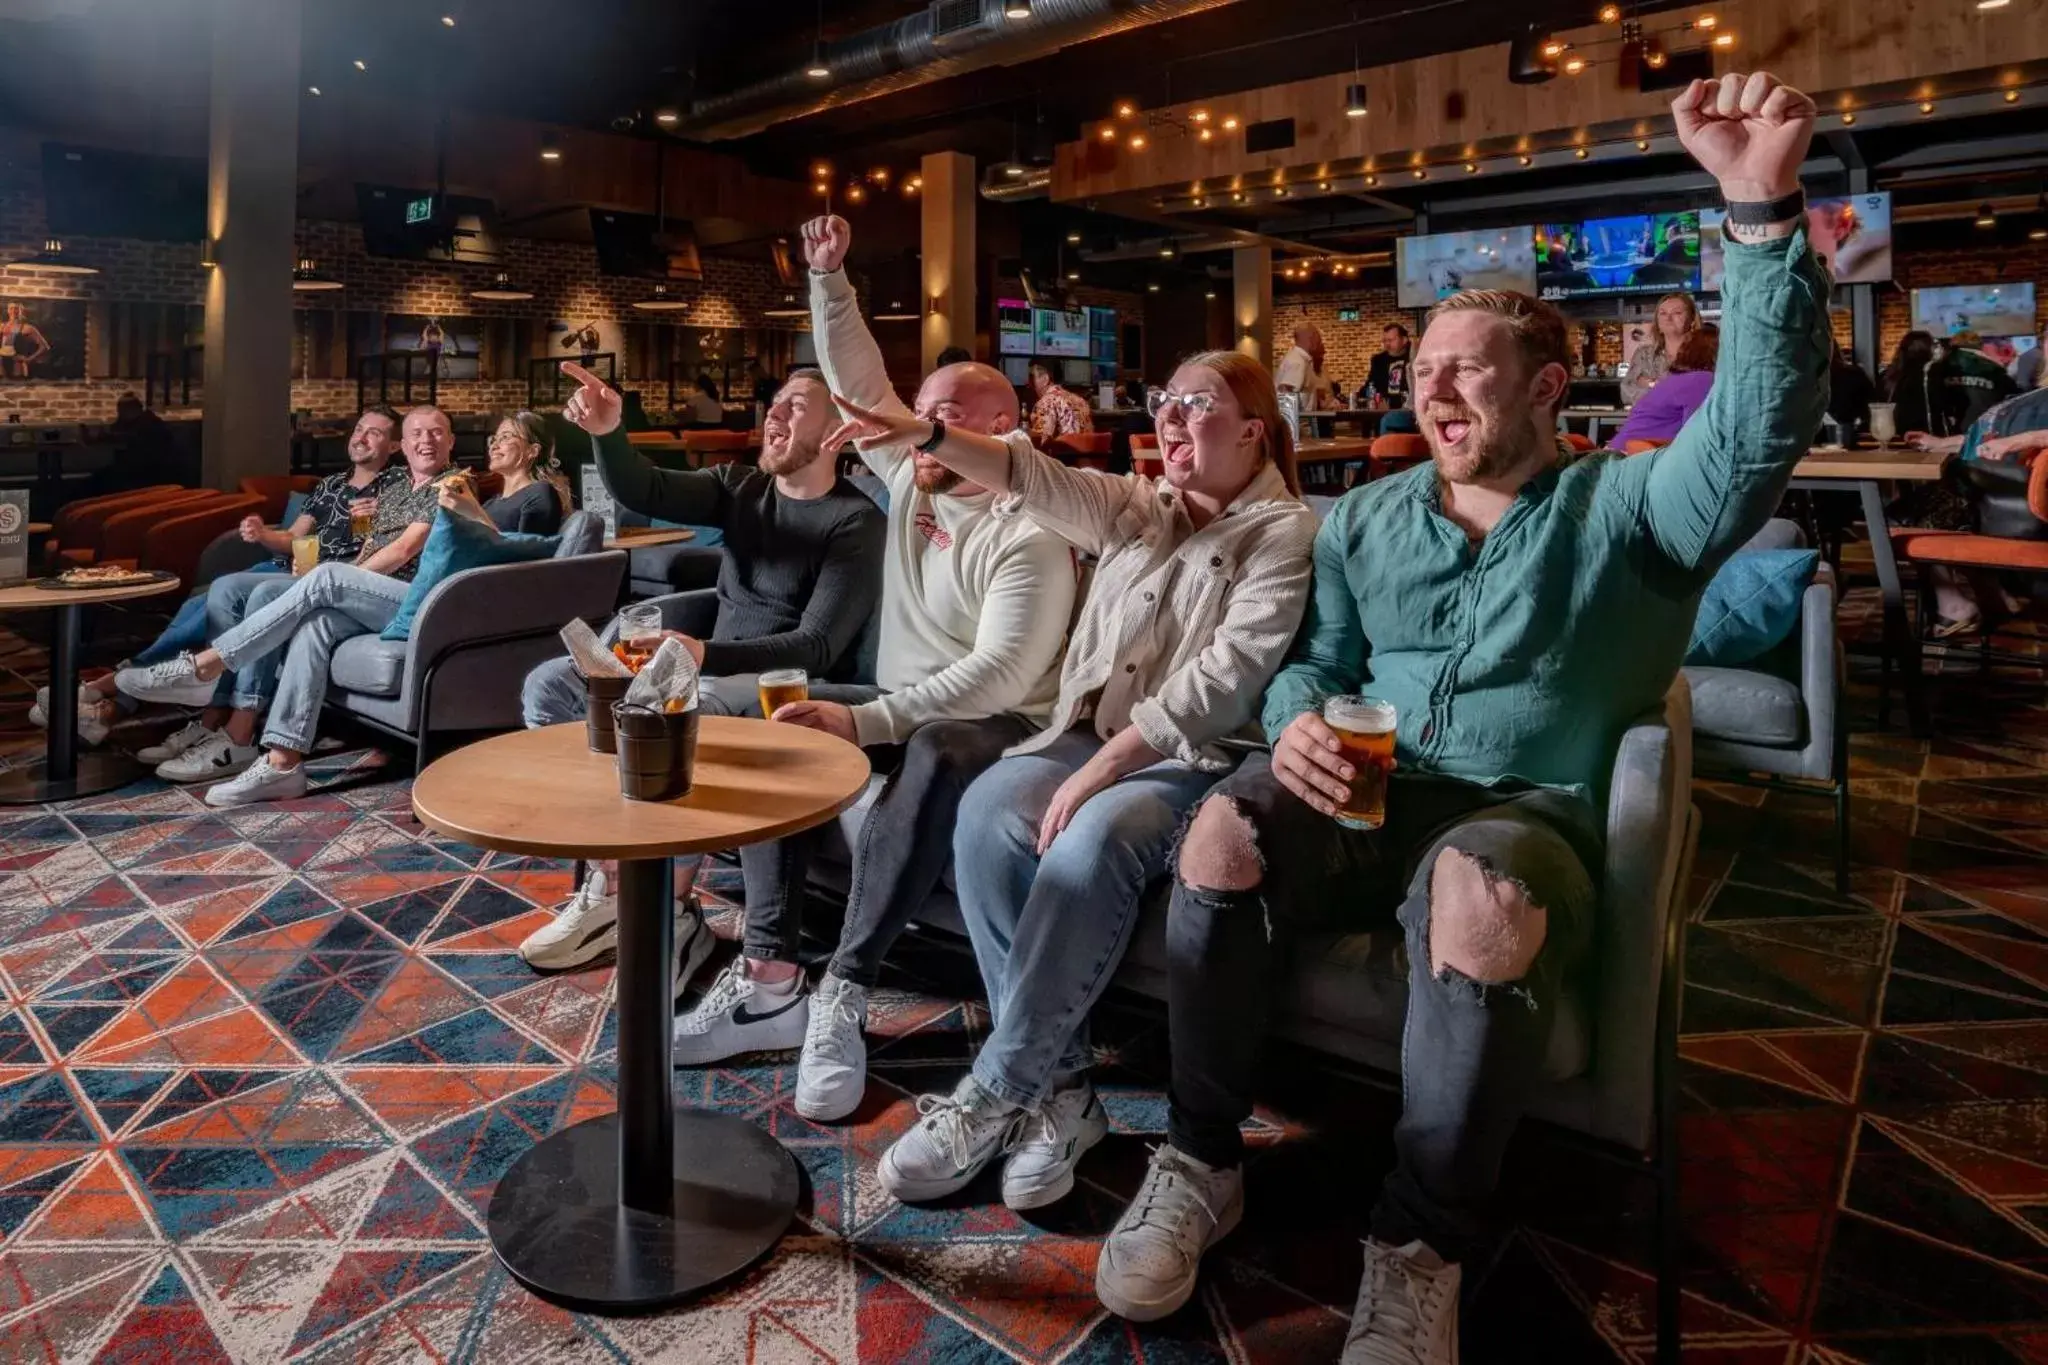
<point x="1519" y="609"/>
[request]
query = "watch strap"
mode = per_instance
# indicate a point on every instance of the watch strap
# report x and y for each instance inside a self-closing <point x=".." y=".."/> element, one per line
<point x="1762" y="213"/>
<point x="931" y="443"/>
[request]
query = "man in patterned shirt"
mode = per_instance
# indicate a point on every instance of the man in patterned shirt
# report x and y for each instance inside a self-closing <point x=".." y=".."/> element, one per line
<point x="1055" y="411"/>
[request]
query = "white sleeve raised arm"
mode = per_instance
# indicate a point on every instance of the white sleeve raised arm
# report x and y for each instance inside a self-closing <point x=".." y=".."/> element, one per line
<point x="851" y="361"/>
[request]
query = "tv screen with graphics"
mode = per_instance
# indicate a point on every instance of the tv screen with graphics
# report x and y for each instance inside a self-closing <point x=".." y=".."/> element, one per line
<point x="1851" y="233"/>
<point x="1992" y="310"/>
<point x="1641" y="253"/>
<point x="1438" y="266"/>
<point x="1058" y="333"/>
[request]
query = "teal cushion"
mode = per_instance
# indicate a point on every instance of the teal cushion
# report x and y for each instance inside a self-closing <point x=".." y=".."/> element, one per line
<point x="293" y="505"/>
<point x="1750" y="606"/>
<point x="455" y="544"/>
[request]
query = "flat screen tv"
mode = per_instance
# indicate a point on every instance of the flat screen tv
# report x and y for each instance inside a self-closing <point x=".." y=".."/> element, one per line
<point x="90" y="192"/>
<point x="641" y="246"/>
<point x="1992" y="310"/>
<point x="1852" y="234"/>
<point x="1013" y="327"/>
<point x="1437" y="266"/>
<point x="1641" y="253"/>
<point x="1059" y="333"/>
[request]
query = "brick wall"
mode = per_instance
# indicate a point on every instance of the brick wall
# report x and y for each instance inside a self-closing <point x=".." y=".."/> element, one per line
<point x="1348" y="347"/>
<point x="1991" y="264"/>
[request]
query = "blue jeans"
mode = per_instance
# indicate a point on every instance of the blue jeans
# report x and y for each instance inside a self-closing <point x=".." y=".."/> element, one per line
<point x="307" y="622"/>
<point x="229" y="600"/>
<point x="1048" y="932"/>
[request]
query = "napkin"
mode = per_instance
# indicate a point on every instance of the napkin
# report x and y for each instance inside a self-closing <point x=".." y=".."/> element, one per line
<point x="591" y="658"/>
<point x="667" y="682"/>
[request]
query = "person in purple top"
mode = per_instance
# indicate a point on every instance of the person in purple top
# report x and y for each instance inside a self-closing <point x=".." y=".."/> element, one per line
<point x="1659" y="413"/>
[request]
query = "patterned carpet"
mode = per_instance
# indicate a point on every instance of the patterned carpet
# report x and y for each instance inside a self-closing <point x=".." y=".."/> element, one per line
<point x="259" y="1071"/>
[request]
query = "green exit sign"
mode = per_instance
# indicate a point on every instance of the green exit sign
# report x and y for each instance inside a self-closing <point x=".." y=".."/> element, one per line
<point x="1347" y="315"/>
<point x="419" y="210"/>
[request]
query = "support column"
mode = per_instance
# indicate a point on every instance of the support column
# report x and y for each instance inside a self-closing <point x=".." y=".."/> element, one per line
<point x="251" y="212"/>
<point x="948" y="209"/>
<point x="1252" y="302"/>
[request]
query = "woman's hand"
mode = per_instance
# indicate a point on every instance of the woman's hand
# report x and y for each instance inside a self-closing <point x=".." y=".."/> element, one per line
<point x="455" y="496"/>
<point x="1090" y="778"/>
<point x="2018" y="446"/>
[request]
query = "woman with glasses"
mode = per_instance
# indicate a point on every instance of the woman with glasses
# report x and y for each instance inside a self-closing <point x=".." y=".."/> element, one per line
<point x="535" y="494"/>
<point x="1199" y="583"/>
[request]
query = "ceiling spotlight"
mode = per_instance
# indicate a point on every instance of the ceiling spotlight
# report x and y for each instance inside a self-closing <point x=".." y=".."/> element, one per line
<point x="1323" y="185"/>
<point x="1553" y="48"/>
<point x="1419" y="173"/>
<point x="1724" y="40"/>
<point x="1125" y="109"/>
<point x="1073" y="239"/>
<point x="447" y="21"/>
<point x="550" y="148"/>
<point x="1205" y="134"/>
<point x="1986" y="216"/>
<point x="1655" y="57"/>
<point x="1137" y="142"/>
<point x="360" y="66"/>
<point x="1642" y="144"/>
<point x="501" y="290"/>
<point x="1210" y="295"/>
<point x="1579" y="152"/>
<point x="1199" y="116"/>
<point x="854" y="194"/>
<point x="1279" y="191"/>
<point x="1073" y="275"/>
<point x="312" y="89"/>
<point x="1017" y="9"/>
<point x="1705" y="21"/>
<point x="1471" y="168"/>
<point x="1237" y="196"/>
<point x="2039" y="234"/>
<point x="1848" y="120"/>
<point x="821" y="169"/>
<point x="1166" y="252"/>
<point x="916" y="182"/>
<point x="823" y="187"/>
<point x="1926" y="106"/>
<point x="1574" y="64"/>
<point x="666" y="117"/>
<point x="1108" y="134"/>
<point x="1014" y="169"/>
<point x="1525" y="161"/>
<point x="1610" y="14"/>
<point x="307" y="279"/>
<point x="1152" y="288"/>
<point x="1371" y="180"/>
<point x="2012" y="97"/>
<point x="1200" y="202"/>
<point x="1354" y="100"/>
<point x="1993" y="4"/>
<point x="1230" y="123"/>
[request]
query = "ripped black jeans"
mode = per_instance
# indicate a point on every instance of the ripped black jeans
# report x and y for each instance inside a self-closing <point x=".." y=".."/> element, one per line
<point x="1471" y="1054"/>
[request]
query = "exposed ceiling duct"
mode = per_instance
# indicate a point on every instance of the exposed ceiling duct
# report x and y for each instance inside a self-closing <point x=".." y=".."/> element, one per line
<point x="946" y="38"/>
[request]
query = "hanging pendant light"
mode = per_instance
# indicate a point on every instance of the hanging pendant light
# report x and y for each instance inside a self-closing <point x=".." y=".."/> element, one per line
<point x="661" y="301"/>
<point x="51" y="260"/>
<point x="501" y="290"/>
<point x="307" y="279"/>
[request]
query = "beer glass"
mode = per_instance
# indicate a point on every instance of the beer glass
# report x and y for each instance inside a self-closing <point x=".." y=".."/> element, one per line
<point x="361" y="514"/>
<point x="305" y="554"/>
<point x="1883" y="423"/>
<point x="639" y="635"/>
<point x="781" y="686"/>
<point x="1365" y="729"/>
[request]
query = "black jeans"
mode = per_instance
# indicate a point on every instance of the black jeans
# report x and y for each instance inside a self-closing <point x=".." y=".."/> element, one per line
<point x="904" y="845"/>
<point x="1471" y="1053"/>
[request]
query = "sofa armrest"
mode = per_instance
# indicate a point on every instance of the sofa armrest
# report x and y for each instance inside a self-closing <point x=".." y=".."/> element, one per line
<point x="528" y="600"/>
<point x="1820" y="673"/>
<point x="1648" y="814"/>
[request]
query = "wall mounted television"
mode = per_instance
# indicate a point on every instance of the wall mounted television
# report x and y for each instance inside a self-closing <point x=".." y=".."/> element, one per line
<point x="1638" y="253"/>
<point x="1851" y="233"/>
<point x="1439" y="265"/>
<point x="1992" y="310"/>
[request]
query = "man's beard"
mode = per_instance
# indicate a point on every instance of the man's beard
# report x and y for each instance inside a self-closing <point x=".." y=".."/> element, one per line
<point x="1488" y="451"/>
<point x="934" y="478"/>
<point x="794" y="458"/>
<point x="361" y="455"/>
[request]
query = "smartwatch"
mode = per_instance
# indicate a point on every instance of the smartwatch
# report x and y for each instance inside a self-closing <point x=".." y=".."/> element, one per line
<point x="931" y="443"/>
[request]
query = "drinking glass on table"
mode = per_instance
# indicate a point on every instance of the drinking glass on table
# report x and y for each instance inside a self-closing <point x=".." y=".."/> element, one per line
<point x="639" y="635"/>
<point x="781" y="686"/>
<point x="362" y="515"/>
<point x="1884" y="427"/>
<point x="305" y="554"/>
<point x="1365" y="729"/>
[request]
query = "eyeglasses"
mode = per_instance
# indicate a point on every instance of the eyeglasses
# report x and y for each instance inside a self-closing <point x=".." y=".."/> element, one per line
<point x="1190" y="405"/>
<point x="506" y="439"/>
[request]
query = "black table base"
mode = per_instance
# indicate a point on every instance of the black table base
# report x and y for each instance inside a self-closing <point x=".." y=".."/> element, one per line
<point x="32" y="784"/>
<point x="641" y="1208"/>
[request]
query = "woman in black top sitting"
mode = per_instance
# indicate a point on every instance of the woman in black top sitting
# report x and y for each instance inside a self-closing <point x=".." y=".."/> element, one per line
<point x="535" y="495"/>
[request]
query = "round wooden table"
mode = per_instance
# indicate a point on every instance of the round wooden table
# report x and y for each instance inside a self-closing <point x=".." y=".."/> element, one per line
<point x="640" y="1208"/>
<point x="645" y="537"/>
<point x="63" y="773"/>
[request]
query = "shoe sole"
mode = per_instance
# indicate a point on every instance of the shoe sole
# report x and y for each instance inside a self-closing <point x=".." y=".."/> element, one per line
<point x="572" y="955"/>
<point x="253" y="799"/>
<point x="1038" y="1196"/>
<point x="760" y="1039"/>
<point x="1151" y="1310"/>
<point x="198" y="696"/>
<point x="907" y="1192"/>
<point x="188" y="779"/>
<point x="830" y="1113"/>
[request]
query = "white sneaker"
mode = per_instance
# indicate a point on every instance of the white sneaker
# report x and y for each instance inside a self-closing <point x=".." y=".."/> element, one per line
<point x="739" y="1014"/>
<point x="213" y="759"/>
<point x="958" y="1135"/>
<point x="832" y="1075"/>
<point x="175" y="743"/>
<point x="1049" y="1144"/>
<point x="1148" y="1263"/>
<point x="587" y="927"/>
<point x="39" y="709"/>
<point x="1407" y="1311"/>
<point x="260" y="781"/>
<point x="173" y="681"/>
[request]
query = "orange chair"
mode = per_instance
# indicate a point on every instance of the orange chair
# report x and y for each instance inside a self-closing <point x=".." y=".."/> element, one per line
<point x="1582" y="444"/>
<point x="1145" y="457"/>
<point x="1087" y="451"/>
<point x="1396" y="451"/>
<point x="77" y="522"/>
<point x="177" y="542"/>
<point x="1635" y="447"/>
<point x="276" y="490"/>
<point x="86" y="542"/>
<point x="121" y="538"/>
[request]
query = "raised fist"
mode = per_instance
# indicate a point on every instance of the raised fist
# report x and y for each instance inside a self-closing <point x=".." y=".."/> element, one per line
<point x="825" y="242"/>
<point x="1749" y="132"/>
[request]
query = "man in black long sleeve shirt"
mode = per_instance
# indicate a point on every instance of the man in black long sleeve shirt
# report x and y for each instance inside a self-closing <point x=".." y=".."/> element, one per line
<point x="802" y="575"/>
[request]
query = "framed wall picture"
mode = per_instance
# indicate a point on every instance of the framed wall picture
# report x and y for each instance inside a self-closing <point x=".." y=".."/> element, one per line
<point x="454" y="346"/>
<point x="41" y="339"/>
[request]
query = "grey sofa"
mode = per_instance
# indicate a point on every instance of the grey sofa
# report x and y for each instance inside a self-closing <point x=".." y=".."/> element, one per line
<point x="1781" y="716"/>
<point x="1613" y="1057"/>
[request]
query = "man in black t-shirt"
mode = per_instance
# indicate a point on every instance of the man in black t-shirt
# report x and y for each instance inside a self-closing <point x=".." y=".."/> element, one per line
<point x="1389" y="377"/>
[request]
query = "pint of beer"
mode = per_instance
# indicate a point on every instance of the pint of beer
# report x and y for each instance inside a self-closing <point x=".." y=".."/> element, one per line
<point x="361" y="515"/>
<point x="1365" y="727"/>
<point x="781" y="686"/>
<point x="305" y="554"/>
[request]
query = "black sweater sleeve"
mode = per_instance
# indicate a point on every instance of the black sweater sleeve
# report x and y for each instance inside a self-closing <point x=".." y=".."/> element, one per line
<point x="695" y="497"/>
<point x="847" y="592"/>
